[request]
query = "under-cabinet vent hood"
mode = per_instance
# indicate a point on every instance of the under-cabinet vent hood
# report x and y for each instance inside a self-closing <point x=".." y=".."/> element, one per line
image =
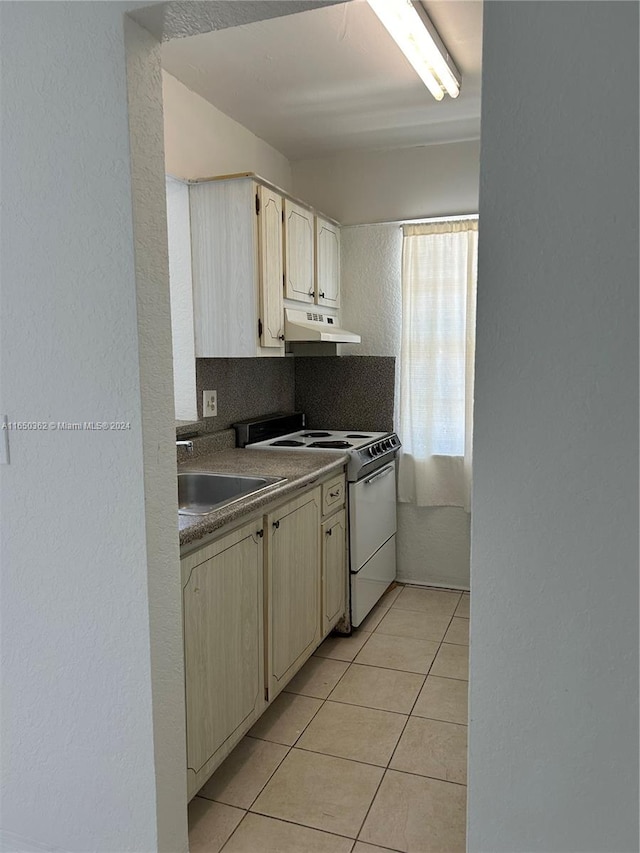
<point x="312" y="326"/>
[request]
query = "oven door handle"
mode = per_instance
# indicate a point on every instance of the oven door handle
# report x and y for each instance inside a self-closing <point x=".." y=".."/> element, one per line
<point x="379" y="474"/>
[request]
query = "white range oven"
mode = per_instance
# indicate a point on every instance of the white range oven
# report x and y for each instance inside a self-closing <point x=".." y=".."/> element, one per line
<point x="371" y="476"/>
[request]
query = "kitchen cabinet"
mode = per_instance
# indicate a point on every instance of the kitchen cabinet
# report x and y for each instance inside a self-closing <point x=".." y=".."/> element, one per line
<point x="237" y="263"/>
<point x="327" y="240"/>
<point x="294" y="586"/>
<point x="223" y="646"/>
<point x="333" y="494"/>
<point x="252" y="246"/>
<point x="257" y="602"/>
<point x="271" y="320"/>
<point x="334" y="569"/>
<point x="298" y="252"/>
<point x="334" y="551"/>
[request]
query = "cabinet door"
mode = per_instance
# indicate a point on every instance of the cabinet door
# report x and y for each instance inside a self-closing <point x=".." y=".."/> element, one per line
<point x="327" y="263"/>
<point x="299" y="248"/>
<point x="270" y="253"/>
<point x="294" y="582"/>
<point x="224" y="255"/>
<point x="223" y="643"/>
<point x="334" y="569"/>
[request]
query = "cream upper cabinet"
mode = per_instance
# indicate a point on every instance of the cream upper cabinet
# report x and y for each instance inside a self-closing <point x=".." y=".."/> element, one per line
<point x="237" y="264"/>
<point x="252" y="247"/>
<point x="327" y="235"/>
<point x="298" y="252"/>
<point x="271" y="325"/>
<point x="223" y="646"/>
<point x="334" y="569"/>
<point x="294" y="586"/>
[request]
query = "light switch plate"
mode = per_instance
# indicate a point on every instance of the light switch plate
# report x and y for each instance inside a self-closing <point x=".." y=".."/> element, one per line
<point x="209" y="404"/>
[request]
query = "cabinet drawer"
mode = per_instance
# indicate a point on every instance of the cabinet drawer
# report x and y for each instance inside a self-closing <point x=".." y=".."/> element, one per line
<point x="333" y="494"/>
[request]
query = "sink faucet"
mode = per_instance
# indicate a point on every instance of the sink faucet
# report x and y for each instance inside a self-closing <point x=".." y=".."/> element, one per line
<point x="187" y="444"/>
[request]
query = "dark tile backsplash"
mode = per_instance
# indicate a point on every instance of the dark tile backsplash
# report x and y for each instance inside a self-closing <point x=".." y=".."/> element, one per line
<point x="335" y="392"/>
<point x="346" y="392"/>
<point x="247" y="387"/>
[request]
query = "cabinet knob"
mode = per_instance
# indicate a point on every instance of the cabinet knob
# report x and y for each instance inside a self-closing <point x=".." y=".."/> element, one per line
<point x="334" y="494"/>
<point x="321" y="295"/>
<point x="330" y="531"/>
<point x="311" y="293"/>
<point x="280" y="337"/>
<point x="260" y="533"/>
<point x="276" y="524"/>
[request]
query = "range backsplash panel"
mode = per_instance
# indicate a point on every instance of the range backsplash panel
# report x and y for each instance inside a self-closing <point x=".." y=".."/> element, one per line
<point x="346" y="392"/>
<point x="247" y="387"/>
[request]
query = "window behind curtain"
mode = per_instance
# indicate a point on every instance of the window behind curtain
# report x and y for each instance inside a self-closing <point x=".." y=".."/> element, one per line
<point x="439" y="274"/>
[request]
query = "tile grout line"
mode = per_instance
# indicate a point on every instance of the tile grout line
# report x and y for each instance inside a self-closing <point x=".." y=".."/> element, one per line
<point x="290" y="747"/>
<point x="234" y="831"/>
<point x="388" y="766"/>
<point x="323" y="701"/>
<point x="291" y="823"/>
<point x="384" y="773"/>
<point x="373" y="666"/>
<point x="302" y="825"/>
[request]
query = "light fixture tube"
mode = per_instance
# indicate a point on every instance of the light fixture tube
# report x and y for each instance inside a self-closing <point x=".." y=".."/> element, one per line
<point x="409" y="26"/>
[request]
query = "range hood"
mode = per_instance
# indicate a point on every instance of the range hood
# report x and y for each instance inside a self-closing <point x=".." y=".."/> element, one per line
<point x="312" y="326"/>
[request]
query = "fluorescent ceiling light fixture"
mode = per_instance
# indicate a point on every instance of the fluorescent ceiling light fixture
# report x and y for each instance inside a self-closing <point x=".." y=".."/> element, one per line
<point x="410" y="27"/>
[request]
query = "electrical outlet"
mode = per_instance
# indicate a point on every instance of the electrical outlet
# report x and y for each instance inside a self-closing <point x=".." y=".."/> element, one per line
<point x="209" y="404"/>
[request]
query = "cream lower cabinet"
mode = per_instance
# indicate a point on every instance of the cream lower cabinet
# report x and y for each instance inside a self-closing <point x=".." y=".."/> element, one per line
<point x="257" y="602"/>
<point x="223" y="644"/>
<point x="334" y="569"/>
<point x="294" y="587"/>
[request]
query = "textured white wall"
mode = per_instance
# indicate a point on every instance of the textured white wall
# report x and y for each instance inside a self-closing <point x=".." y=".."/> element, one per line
<point x="181" y="284"/>
<point x="153" y="312"/>
<point x="384" y="186"/>
<point x="433" y="544"/>
<point x="201" y="141"/>
<point x="88" y="570"/>
<point x="371" y="270"/>
<point x="554" y="611"/>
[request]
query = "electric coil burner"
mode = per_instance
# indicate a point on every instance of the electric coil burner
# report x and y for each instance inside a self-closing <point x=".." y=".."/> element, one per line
<point x="371" y="470"/>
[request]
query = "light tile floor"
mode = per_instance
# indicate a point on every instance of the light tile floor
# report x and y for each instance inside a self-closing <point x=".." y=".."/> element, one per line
<point x="365" y="751"/>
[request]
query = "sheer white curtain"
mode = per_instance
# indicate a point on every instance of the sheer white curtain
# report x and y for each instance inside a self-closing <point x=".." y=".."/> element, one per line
<point x="439" y="275"/>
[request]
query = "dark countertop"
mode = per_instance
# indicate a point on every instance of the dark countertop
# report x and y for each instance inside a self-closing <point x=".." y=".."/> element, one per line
<point x="300" y="468"/>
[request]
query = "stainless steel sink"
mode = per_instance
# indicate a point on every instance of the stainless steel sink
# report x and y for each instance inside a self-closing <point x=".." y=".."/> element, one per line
<point x="201" y="492"/>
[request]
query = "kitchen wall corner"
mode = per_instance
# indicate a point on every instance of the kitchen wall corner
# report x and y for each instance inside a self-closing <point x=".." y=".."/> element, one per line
<point x="346" y="392"/>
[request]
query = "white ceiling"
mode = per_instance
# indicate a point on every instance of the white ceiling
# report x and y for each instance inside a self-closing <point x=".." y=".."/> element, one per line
<point x="332" y="79"/>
